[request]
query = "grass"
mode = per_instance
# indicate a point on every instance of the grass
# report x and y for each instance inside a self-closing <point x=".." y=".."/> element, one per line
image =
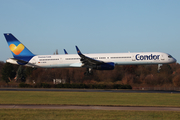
<point x="34" y="114"/>
<point x="90" y="98"/>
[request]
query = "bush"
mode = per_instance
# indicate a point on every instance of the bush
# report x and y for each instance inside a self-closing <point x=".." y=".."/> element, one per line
<point x="24" y="85"/>
<point x="45" y="85"/>
<point x="80" y="86"/>
<point x="93" y="86"/>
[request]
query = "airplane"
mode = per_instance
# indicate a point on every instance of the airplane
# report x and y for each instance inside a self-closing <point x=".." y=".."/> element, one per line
<point x="101" y="61"/>
<point x="65" y="52"/>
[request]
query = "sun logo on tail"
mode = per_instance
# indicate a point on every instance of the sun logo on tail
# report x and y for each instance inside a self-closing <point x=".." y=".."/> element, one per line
<point x="16" y="49"/>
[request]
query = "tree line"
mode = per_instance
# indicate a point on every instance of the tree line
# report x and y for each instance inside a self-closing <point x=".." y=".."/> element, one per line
<point x="134" y="75"/>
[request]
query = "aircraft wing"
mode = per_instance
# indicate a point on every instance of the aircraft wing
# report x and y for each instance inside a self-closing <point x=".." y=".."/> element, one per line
<point x="87" y="61"/>
<point x="65" y="51"/>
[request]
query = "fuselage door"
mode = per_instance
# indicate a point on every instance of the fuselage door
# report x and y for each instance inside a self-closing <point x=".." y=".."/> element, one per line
<point x="162" y="57"/>
<point x="133" y="58"/>
<point x="33" y="61"/>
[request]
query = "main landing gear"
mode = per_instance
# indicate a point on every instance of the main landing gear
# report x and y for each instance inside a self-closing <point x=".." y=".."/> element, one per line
<point x="159" y="67"/>
<point x="88" y="71"/>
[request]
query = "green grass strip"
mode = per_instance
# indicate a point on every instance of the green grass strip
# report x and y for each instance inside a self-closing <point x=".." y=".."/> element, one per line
<point x="33" y="114"/>
<point x="90" y="98"/>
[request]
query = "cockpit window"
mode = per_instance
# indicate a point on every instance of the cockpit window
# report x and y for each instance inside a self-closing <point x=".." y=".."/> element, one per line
<point x="169" y="56"/>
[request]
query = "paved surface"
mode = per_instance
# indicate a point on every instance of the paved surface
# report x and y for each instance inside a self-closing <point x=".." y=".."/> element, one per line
<point x="88" y="90"/>
<point x="88" y="107"/>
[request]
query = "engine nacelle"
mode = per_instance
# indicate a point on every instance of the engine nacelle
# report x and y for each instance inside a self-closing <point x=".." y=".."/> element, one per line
<point x="105" y="66"/>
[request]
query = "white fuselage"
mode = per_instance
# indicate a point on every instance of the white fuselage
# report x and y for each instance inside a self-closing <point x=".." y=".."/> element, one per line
<point x="73" y="60"/>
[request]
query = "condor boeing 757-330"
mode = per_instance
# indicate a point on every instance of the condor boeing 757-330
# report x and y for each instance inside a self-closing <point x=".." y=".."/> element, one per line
<point x="103" y="61"/>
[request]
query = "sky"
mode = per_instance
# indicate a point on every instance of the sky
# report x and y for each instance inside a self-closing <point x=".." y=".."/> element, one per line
<point x="95" y="26"/>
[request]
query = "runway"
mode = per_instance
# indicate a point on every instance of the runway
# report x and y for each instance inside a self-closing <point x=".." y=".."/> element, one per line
<point x="71" y="107"/>
<point x="89" y="90"/>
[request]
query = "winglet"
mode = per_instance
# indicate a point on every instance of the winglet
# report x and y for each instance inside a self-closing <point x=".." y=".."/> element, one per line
<point x="78" y="51"/>
<point x="65" y="51"/>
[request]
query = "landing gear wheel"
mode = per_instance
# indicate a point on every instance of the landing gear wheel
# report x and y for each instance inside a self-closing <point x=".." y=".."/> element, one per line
<point x="88" y="72"/>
